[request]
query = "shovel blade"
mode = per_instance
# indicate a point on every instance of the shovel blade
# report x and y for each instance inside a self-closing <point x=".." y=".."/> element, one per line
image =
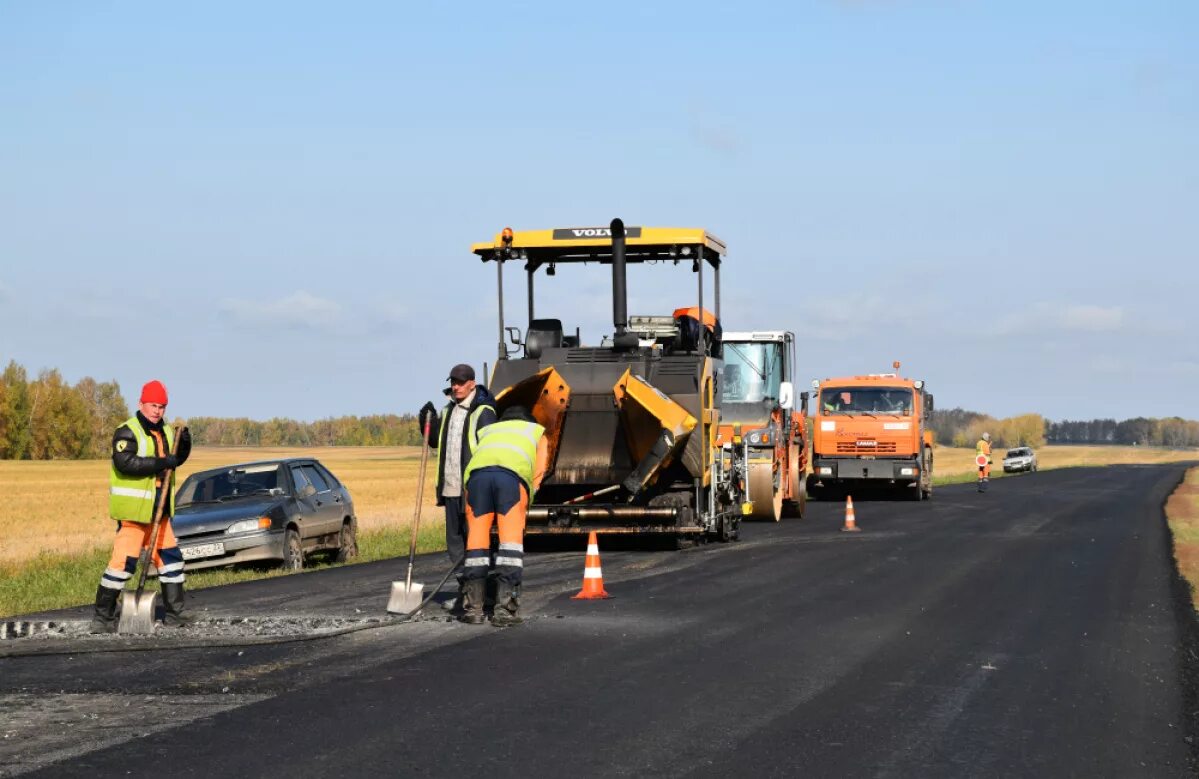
<point x="404" y="599"/>
<point x="137" y="614"/>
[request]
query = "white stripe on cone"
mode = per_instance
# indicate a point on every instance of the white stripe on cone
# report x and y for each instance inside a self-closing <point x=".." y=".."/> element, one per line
<point x="592" y="573"/>
<point x="593" y="550"/>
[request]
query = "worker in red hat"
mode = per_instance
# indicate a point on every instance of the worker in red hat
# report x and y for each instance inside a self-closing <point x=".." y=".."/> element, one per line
<point x="141" y="453"/>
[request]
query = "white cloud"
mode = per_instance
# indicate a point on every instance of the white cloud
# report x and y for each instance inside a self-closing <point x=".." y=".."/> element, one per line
<point x="300" y="309"/>
<point x="1095" y="319"/>
<point x="1044" y="318"/>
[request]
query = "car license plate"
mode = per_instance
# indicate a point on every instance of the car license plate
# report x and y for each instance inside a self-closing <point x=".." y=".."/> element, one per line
<point x="202" y="550"/>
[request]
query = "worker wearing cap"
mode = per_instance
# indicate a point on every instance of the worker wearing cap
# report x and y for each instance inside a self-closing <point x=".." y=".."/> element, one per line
<point x="471" y="408"/>
<point x="141" y="453"/>
<point x="983" y="449"/>
<point x="501" y="480"/>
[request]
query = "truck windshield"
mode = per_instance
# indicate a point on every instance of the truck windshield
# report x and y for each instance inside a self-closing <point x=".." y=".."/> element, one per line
<point x="750" y="380"/>
<point x="893" y="401"/>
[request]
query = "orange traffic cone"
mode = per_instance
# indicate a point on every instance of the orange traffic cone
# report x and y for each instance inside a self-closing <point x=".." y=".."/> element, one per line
<point x="593" y="576"/>
<point x="851" y="525"/>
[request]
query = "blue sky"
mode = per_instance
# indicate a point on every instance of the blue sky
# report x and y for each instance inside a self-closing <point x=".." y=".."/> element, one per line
<point x="269" y="206"/>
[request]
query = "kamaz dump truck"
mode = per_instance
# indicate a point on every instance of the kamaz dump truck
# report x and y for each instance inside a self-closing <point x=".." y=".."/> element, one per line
<point x="631" y="422"/>
<point x="757" y="394"/>
<point x="872" y="431"/>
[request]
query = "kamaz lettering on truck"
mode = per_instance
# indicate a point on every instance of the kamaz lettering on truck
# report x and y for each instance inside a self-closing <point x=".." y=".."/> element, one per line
<point x="872" y="431"/>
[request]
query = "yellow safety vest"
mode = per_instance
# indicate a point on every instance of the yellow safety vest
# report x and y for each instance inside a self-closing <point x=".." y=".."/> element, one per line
<point x="511" y="445"/>
<point x="131" y="498"/>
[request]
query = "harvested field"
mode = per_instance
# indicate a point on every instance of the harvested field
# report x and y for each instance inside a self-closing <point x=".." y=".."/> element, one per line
<point x="62" y="506"/>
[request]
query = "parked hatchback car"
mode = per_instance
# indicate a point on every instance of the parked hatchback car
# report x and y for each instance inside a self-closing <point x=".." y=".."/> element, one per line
<point x="1019" y="459"/>
<point x="272" y="510"/>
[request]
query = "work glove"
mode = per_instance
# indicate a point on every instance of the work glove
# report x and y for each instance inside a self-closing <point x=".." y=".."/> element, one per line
<point x="427" y="416"/>
<point x="185" y="439"/>
<point x="170" y="461"/>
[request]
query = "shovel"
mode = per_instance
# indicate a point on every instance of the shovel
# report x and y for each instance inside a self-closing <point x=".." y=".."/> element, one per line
<point x="137" y="609"/>
<point x="406" y="596"/>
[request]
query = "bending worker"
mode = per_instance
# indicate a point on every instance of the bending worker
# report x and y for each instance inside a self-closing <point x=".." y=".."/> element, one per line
<point x="471" y="408"/>
<point x="983" y="449"/>
<point x="141" y="449"/>
<point x="501" y="480"/>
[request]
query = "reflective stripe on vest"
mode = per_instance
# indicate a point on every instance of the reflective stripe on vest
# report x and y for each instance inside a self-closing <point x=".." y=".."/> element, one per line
<point x="511" y="445"/>
<point x="471" y="432"/>
<point x="131" y="498"/>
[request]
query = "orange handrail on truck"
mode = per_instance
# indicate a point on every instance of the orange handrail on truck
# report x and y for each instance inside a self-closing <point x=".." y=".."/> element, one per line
<point x="873" y="432"/>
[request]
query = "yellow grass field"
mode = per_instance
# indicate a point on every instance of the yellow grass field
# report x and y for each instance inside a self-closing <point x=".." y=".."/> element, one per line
<point x="1182" y="511"/>
<point x="62" y="506"/>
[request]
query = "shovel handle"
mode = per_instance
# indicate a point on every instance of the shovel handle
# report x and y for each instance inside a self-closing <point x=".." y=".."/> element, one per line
<point x="160" y="506"/>
<point x="420" y="499"/>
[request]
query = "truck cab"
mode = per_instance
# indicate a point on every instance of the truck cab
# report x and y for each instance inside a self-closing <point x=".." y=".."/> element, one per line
<point x="872" y="431"/>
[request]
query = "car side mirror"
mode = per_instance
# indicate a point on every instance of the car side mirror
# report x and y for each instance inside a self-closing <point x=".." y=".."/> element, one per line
<point x="786" y="396"/>
<point x="307" y="491"/>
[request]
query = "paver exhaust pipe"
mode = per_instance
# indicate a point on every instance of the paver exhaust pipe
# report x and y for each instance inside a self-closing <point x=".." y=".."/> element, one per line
<point x="622" y="340"/>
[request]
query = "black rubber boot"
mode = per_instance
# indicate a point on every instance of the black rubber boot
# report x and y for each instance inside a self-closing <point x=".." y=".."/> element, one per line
<point x="105" y="619"/>
<point x="172" y="601"/>
<point x="507" y="606"/>
<point x="472" y="602"/>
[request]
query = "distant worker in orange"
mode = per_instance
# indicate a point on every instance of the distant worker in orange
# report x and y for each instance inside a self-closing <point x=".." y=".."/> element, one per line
<point x="141" y="454"/>
<point x="982" y="450"/>
<point x="501" y="480"/>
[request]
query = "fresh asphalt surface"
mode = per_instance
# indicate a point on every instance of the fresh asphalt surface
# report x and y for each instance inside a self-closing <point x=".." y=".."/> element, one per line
<point x="1030" y="631"/>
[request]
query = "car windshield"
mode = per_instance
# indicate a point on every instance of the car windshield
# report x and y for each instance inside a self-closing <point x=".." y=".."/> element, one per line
<point x="231" y="484"/>
<point x="1018" y="452"/>
<point x="893" y="401"/>
<point x="751" y="380"/>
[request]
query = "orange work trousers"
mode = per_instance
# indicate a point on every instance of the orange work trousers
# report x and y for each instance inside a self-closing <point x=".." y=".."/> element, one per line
<point x="495" y="495"/>
<point x="131" y="537"/>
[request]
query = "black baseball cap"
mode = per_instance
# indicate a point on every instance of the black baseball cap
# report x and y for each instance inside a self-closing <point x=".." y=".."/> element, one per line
<point x="461" y="372"/>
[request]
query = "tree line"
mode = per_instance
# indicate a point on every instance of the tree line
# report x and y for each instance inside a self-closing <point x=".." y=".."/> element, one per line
<point x="960" y="427"/>
<point x="1139" y="431"/>
<point x="47" y="418"/>
<point x="373" y="430"/>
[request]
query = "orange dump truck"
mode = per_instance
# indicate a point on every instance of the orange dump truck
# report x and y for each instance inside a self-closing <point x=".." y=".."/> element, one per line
<point x="872" y="432"/>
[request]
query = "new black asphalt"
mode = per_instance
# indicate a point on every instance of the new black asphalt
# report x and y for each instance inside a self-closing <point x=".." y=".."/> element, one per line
<point x="1030" y="631"/>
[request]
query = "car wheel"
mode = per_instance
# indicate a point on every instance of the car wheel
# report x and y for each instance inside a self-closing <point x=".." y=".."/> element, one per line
<point x="347" y="543"/>
<point x="293" y="553"/>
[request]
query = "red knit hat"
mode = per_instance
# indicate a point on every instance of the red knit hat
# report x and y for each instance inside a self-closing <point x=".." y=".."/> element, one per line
<point x="154" y="392"/>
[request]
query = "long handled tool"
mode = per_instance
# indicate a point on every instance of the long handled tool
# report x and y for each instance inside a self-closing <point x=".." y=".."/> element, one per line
<point x="137" y="610"/>
<point x="406" y="596"/>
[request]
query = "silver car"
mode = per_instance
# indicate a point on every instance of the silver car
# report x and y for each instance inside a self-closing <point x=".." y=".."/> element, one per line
<point x="1020" y="459"/>
<point x="276" y="510"/>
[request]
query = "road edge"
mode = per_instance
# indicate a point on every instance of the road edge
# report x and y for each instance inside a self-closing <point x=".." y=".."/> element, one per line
<point x="1188" y="632"/>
